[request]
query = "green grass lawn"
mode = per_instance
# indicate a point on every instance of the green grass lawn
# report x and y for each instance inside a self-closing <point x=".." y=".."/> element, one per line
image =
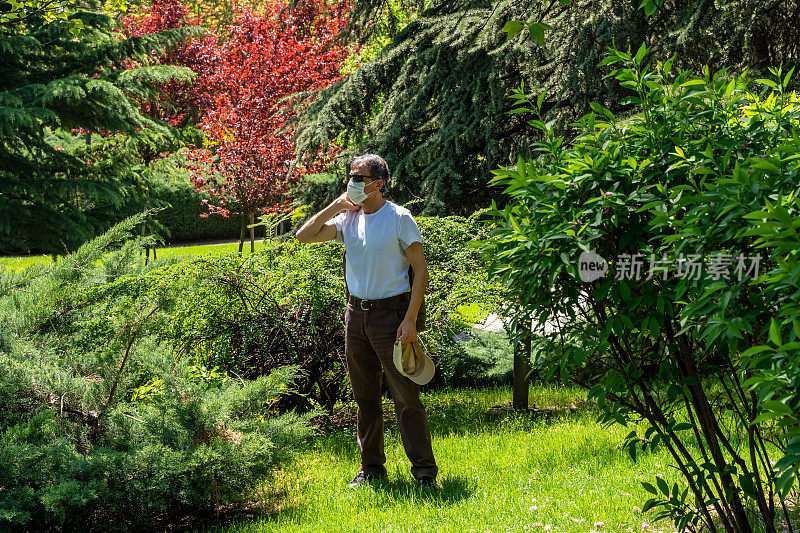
<point x="24" y="261"/>
<point x="554" y="469"/>
<point x="204" y="249"/>
<point x="20" y="262"/>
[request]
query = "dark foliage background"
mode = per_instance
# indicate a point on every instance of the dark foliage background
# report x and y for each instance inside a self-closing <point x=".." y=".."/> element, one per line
<point x="433" y="101"/>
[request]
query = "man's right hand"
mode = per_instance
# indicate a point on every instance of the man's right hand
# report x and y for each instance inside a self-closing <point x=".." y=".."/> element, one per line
<point x="318" y="228"/>
<point x="343" y="202"/>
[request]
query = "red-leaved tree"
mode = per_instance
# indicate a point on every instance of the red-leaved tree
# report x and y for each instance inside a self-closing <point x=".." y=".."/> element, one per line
<point x="240" y="97"/>
<point x="268" y="58"/>
<point x="181" y="103"/>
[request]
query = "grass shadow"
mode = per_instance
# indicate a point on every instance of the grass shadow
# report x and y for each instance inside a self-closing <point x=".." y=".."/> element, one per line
<point x="267" y="502"/>
<point x="459" y="417"/>
<point x="447" y="491"/>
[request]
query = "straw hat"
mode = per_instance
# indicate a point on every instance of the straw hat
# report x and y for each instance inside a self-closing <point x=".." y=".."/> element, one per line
<point x="412" y="361"/>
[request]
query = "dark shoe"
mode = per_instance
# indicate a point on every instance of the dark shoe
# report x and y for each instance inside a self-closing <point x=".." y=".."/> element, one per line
<point x="361" y="478"/>
<point x="426" y="481"/>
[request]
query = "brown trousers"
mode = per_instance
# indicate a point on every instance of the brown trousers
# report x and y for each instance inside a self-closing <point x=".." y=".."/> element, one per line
<point x="369" y="344"/>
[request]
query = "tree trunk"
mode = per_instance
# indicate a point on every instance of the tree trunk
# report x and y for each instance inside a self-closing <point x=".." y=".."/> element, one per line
<point x="522" y="366"/>
<point x="243" y="232"/>
<point x="146" y="248"/>
<point x="252" y="234"/>
<point x="708" y="423"/>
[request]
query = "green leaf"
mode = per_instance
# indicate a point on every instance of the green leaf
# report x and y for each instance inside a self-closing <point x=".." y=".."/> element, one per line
<point x="784" y="483"/>
<point x="765" y="165"/>
<point x="767" y="415"/>
<point x="513" y="27"/>
<point x="768" y="83"/>
<point x="730" y="88"/>
<point x="788" y="77"/>
<point x="775" y="332"/>
<point x="601" y="110"/>
<point x="655" y="329"/>
<point x="536" y="31"/>
<point x="637" y="59"/>
<point x="776" y="407"/>
<point x="609" y="59"/>
<point x="630" y="100"/>
<point x="662" y="486"/>
<point x="650" y="7"/>
<point x="649" y="488"/>
<point x="625" y="292"/>
<point x="649" y="504"/>
<point x="746" y="482"/>
<point x="540" y="99"/>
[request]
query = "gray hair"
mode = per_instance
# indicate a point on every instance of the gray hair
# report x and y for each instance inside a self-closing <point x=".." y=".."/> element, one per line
<point x="377" y="167"/>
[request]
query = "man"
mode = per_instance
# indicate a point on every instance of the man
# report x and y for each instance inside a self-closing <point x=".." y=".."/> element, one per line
<point x="381" y="240"/>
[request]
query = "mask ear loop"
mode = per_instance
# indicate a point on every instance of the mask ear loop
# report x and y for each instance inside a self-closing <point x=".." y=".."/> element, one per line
<point x="377" y="188"/>
<point x="368" y="184"/>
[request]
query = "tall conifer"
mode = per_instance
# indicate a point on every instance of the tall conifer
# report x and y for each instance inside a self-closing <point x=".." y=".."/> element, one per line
<point x="434" y="100"/>
<point x="58" y="188"/>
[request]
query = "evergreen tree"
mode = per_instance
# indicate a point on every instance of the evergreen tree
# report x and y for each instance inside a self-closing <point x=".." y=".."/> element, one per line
<point x="57" y="188"/>
<point x="434" y="100"/>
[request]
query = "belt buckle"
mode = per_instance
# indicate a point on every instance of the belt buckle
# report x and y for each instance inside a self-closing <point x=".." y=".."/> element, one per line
<point x="361" y="304"/>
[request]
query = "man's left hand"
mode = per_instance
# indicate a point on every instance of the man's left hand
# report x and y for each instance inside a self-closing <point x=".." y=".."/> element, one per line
<point x="407" y="331"/>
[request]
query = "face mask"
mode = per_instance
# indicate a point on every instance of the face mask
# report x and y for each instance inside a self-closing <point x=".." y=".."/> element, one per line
<point x="355" y="191"/>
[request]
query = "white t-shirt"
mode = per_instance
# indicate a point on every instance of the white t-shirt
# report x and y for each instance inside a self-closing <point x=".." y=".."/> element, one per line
<point x="375" y="245"/>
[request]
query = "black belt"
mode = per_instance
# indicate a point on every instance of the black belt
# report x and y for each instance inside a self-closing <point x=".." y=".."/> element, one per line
<point x="392" y="302"/>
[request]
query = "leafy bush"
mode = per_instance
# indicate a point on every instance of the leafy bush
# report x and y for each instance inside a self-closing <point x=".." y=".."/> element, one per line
<point x="249" y="315"/>
<point x="487" y="361"/>
<point x="706" y="166"/>
<point x="458" y="278"/>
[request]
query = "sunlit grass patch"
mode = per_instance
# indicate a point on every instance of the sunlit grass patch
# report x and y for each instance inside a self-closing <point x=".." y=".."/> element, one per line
<point x="552" y="468"/>
<point x="471" y="313"/>
<point x="199" y="250"/>
<point x="24" y="261"/>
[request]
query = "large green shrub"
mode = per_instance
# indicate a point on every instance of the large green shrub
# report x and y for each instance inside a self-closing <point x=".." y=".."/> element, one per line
<point x="106" y="427"/>
<point x="704" y="166"/>
<point x="251" y="314"/>
<point x="458" y="278"/>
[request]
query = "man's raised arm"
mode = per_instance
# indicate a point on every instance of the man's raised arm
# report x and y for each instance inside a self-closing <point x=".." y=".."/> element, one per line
<point x="317" y="228"/>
